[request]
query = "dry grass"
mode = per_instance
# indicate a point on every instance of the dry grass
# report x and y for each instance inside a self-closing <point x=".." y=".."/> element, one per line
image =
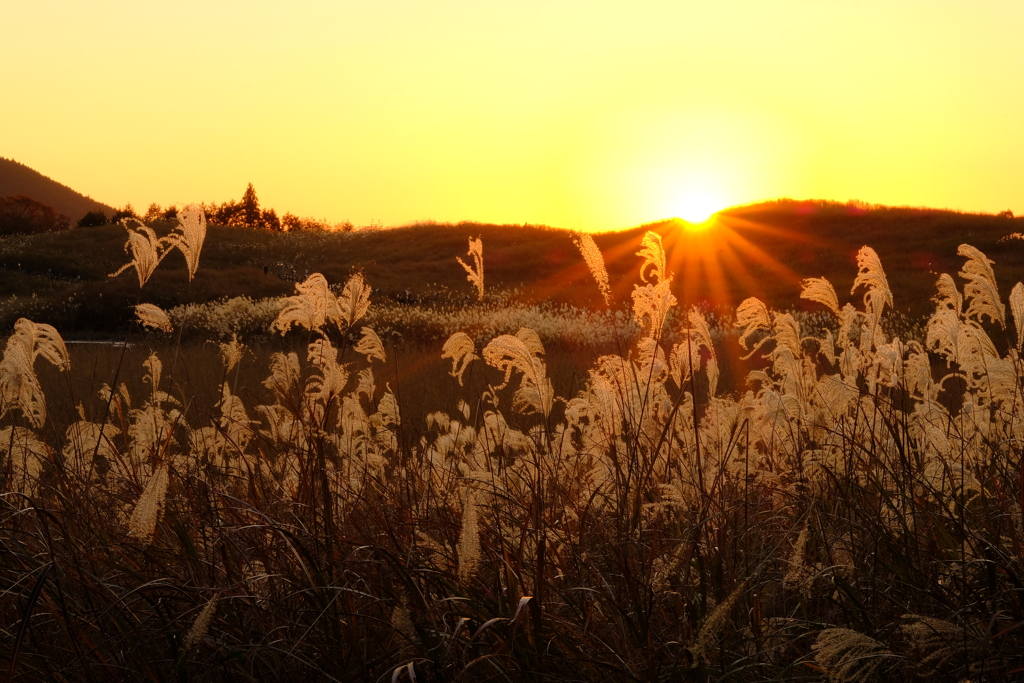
<point x="337" y="504"/>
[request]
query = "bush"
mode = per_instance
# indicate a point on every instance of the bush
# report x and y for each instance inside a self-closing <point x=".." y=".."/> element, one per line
<point x="20" y="215"/>
<point x="93" y="219"/>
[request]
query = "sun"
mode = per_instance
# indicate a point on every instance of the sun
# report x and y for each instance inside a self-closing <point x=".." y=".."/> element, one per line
<point x="697" y="205"/>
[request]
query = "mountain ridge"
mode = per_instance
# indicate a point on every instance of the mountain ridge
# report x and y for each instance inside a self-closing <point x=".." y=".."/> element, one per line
<point x="18" y="179"/>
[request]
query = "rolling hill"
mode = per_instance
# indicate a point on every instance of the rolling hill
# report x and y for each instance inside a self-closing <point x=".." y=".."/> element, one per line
<point x="762" y="250"/>
<point x="18" y="179"/>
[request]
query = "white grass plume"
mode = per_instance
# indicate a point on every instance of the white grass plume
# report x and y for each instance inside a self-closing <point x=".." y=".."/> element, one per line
<point x="820" y="290"/>
<point x="752" y="316"/>
<point x="523" y="353"/>
<point x="146" y="249"/>
<point x="461" y="350"/>
<point x="653" y="300"/>
<point x="19" y="386"/>
<point x="849" y="656"/>
<point x="475" y="273"/>
<point x="231" y="353"/>
<point x="311" y="307"/>
<point x="981" y="287"/>
<point x="871" y="276"/>
<point x="595" y="262"/>
<point x="142" y="523"/>
<point x="1017" y="308"/>
<point x="651" y="305"/>
<point x="947" y="295"/>
<point x="150" y="315"/>
<point x="370" y="346"/>
<point x="653" y="254"/>
<point x="200" y="626"/>
<point x="469" y="539"/>
<point x="715" y="622"/>
<point x="354" y="300"/>
<point x="25" y="455"/>
<point x="189" y="236"/>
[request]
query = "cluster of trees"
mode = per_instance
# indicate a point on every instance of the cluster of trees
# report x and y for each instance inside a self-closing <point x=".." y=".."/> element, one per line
<point x="245" y="213"/>
<point x="20" y="215"/>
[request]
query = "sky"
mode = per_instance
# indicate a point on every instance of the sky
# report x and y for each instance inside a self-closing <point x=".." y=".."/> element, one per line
<point x="580" y="114"/>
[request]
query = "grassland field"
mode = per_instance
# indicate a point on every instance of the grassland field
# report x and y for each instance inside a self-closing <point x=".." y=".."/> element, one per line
<point x="725" y="472"/>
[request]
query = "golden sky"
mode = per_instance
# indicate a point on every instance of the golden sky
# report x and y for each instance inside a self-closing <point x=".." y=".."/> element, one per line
<point x="576" y="113"/>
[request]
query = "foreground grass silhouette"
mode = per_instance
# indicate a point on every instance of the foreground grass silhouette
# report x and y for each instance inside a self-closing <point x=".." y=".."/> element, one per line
<point x="852" y="511"/>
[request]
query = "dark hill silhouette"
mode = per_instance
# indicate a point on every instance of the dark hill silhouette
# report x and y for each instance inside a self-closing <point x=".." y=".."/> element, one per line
<point x="762" y="250"/>
<point x="19" y="179"/>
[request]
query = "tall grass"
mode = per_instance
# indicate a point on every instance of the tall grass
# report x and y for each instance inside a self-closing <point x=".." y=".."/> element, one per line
<point x="850" y="510"/>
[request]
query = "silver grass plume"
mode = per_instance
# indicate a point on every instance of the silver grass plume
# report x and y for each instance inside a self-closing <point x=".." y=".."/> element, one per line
<point x="937" y="642"/>
<point x="981" y="287"/>
<point x="523" y="353"/>
<point x="714" y="623"/>
<point x="146" y="249"/>
<point x="142" y="523"/>
<point x="153" y="316"/>
<point x="475" y="273"/>
<point x="370" y="346"/>
<point x="751" y="316"/>
<point x="19" y="386"/>
<point x="25" y="454"/>
<point x="311" y="307"/>
<point x="651" y="303"/>
<point x="1017" y="308"/>
<point x="849" y="656"/>
<point x="333" y="375"/>
<point x="469" y="539"/>
<point x="231" y="353"/>
<point x="200" y="626"/>
<point x="871" y="276"/>
<point x="820" y="290"/>
<point x="284" y="376"/>
<point x="653" y="255"/>
<point x="354" y="300"/>
<point x="799" y="575"/>
<point x="595" y="262"/>
<point x="461" y="350"/>
<point x="947" y="295"/>
<point x="189" y="236"/>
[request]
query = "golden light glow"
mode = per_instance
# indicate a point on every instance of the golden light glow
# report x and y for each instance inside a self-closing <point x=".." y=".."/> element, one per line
<point x="696" y="206"/>
<point x="569" y="113"/>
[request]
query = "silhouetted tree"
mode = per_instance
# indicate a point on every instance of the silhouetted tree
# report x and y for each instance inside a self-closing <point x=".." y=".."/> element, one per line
<point x="126" y="212"/>
<point x="153" y="213"/>
<point x="93" y="219"/>
<point x="269" y="220"/>
<point x="250" y="208"/>
<point x="22" y="215"/>
<point x="171" y="213"/>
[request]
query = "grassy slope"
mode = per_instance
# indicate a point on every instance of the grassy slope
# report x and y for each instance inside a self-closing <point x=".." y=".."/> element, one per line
<point x="762" y="250"/>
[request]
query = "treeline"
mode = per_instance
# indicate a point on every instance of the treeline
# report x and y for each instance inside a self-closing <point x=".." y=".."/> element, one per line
<point x="244" y="213"/>
<point x="20" y="215"/>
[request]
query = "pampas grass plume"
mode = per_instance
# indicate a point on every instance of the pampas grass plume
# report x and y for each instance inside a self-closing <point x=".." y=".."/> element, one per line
<point x="475" y="273"/>
<point x="201" y="625"/>
<point x="142" y="523"/>
<point x="595" y="262"/>
<point x="153" y="316"/>
<point x="469" y="539"/>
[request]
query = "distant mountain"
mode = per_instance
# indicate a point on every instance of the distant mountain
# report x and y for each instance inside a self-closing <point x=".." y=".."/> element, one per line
<point x="18" y="179"/>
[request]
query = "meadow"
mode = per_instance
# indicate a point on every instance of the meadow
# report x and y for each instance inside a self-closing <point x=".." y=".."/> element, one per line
<point x="487" y="480"/>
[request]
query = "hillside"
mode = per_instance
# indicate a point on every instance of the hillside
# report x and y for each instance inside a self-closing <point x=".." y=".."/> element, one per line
<point x="762" y="250"/>
<point x="18" y="179"/>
